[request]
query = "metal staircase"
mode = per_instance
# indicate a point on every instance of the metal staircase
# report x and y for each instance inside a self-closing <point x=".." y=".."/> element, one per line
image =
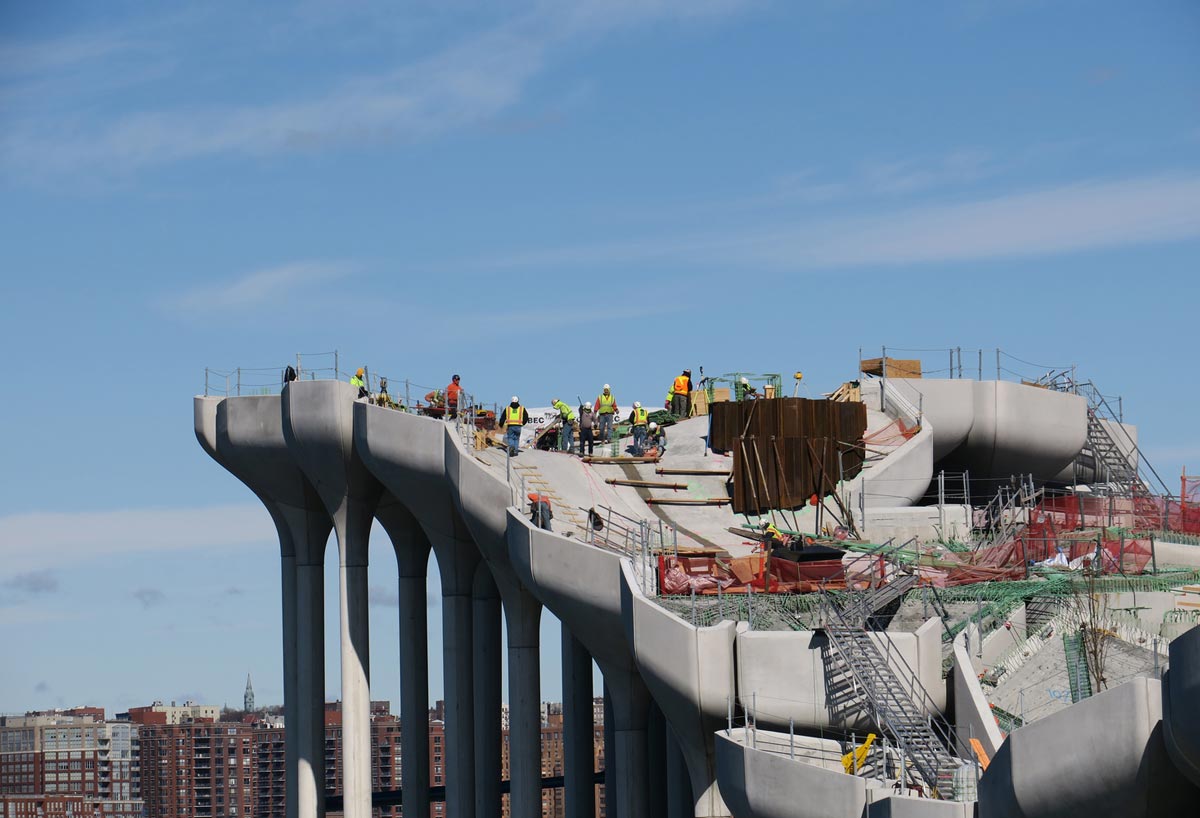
<point x="1008" y="512"/>
<point x="892" y="696"/>
<point x="861" y="607"/>
<point x="1077" y="670"/>
<point x="1109" y="463"/>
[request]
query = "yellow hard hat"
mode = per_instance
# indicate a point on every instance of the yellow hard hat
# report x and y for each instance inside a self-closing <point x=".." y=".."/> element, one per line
<point x="359" y="372"/>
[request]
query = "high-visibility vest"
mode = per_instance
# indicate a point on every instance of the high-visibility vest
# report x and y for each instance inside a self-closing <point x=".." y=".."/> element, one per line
<point x="514" y="415"/>
<point x="640" y="416"/>
<point x="564" y="411"/>
<point x="772" y="531"/>
<point x="681" y="385"/>
<point x="356" y="381"/>
<point x="607" y="403"/>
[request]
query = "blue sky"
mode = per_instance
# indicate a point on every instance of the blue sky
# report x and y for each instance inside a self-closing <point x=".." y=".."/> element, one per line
<point x="543" y="197"/>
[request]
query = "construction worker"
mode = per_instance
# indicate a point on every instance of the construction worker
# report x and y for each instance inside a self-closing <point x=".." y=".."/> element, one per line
<point x="771" y="537"/>
<point x="587" y="423"/>
<point x="357" y="380"/>
<point x="656" y="438"/>
<point x="452" y="398"/>
<point x="681" y="394"/>
<point x="639" y="418"/>
<point x="748" y="392"/>
<point x="605" y="409"/>
<point x="540" y="513"/>
<point x="435" y="398"/>
<point x="566" y="417"/>
<point x="515" y="417"/>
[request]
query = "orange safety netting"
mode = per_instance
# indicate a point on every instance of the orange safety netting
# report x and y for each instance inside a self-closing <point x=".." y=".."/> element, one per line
<point x="1141" y="513"/>
<point x="894" y="434"/>
<point x="1049" y="538"/>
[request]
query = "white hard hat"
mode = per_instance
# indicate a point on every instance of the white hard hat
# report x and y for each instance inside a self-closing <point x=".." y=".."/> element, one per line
<point x="554" y="401"/>
<point x="606" y="386"/>
<point x="745" y="381"/>
<point x="637" y="404"/>
<point x="653" y="425"/>
<point x="514" y="400"/>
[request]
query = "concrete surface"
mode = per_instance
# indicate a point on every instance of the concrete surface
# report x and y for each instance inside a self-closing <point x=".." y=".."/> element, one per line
<point x="1102" y="757"/>
<point x="1181" y="705"/>
<point x="317" y="457"/>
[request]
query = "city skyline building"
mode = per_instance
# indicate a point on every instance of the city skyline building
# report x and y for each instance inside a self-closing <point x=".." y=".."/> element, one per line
<point x="70" y="762"/>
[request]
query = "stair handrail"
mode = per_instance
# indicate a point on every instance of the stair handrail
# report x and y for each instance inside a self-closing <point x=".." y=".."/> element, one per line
<point x="948" y="739"/>
<point x="1098" y="403"/>
<point x="900" y="403"/>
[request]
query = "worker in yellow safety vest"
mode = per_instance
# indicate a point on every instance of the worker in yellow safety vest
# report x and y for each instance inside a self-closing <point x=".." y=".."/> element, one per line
<point x="605" y="409"/>
<point x="771" y="537"/>
<point x="639" y="418"/>
<point x="681" y="394"/>
<point x="357" y="380"/>
<point x="515" y="417"/>
<point x="566" y="417"/>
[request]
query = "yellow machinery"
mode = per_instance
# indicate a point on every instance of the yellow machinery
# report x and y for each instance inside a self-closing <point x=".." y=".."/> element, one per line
<point x="853" y="760"/>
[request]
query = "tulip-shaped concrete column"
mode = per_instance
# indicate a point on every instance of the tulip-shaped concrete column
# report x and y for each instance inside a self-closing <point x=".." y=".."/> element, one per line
<point x="245" y="436"/>
<point x="318" y="424"/>
<point x="630" y="710"/>
<point x="481" y="500"/>
<point x="579" y="761"/>
<point x="457" y="560"/>
<point x="412" y="563"/>
<point x="522" y="617"/>
<point x="407" y="453"/>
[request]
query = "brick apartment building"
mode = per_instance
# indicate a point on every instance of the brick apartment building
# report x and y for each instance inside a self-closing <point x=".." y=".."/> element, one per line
<point x="554" y="759"/>
<point x="173" y="762"/>
<point x="69" y="762"/>
<point x="198" y="769"/>
<point x="385" y="752"/>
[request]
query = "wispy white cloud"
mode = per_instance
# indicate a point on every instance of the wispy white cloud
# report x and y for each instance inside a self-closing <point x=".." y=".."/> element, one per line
<point x="467" y="82"/>
<point x="259" y="287"/>
<point x="37" y="541"/>
<point x="28" y="58"/>
<point x="1077" y="217"/>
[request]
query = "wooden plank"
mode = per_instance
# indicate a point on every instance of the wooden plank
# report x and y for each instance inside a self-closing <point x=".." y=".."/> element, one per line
<point x="716" y="472"/>
<point x="603" y="460"/>
<point x="650" y="484"/>
<point x="680" y="501"/>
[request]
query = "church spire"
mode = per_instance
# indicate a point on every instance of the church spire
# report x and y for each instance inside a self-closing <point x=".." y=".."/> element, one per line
<point x="248" y="700"/>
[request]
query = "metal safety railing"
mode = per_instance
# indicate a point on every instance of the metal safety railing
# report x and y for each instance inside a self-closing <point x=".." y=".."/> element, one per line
<point x="266" y="380"/>
<point x="876" y="756"/>
<point x="891" y="693"/>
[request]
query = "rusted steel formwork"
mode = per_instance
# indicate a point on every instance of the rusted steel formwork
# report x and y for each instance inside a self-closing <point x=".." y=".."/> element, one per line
<point x="787" y="449"/>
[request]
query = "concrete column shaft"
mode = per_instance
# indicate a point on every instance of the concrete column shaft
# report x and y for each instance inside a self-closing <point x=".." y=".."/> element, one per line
<point x="524" y="730"/>
<point x="579" y="791"/>
<point x="356" y="690"/>
<point x="680" y="802"/>
<point x="309" y="720"/>
<point x="630" y="708"/>
<point x="414" y="692"/>
<point x="291" y="703"/>
<point x="656" y="760"/>
<point x="485" y="637"/>
<point x="459" y="680"/>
